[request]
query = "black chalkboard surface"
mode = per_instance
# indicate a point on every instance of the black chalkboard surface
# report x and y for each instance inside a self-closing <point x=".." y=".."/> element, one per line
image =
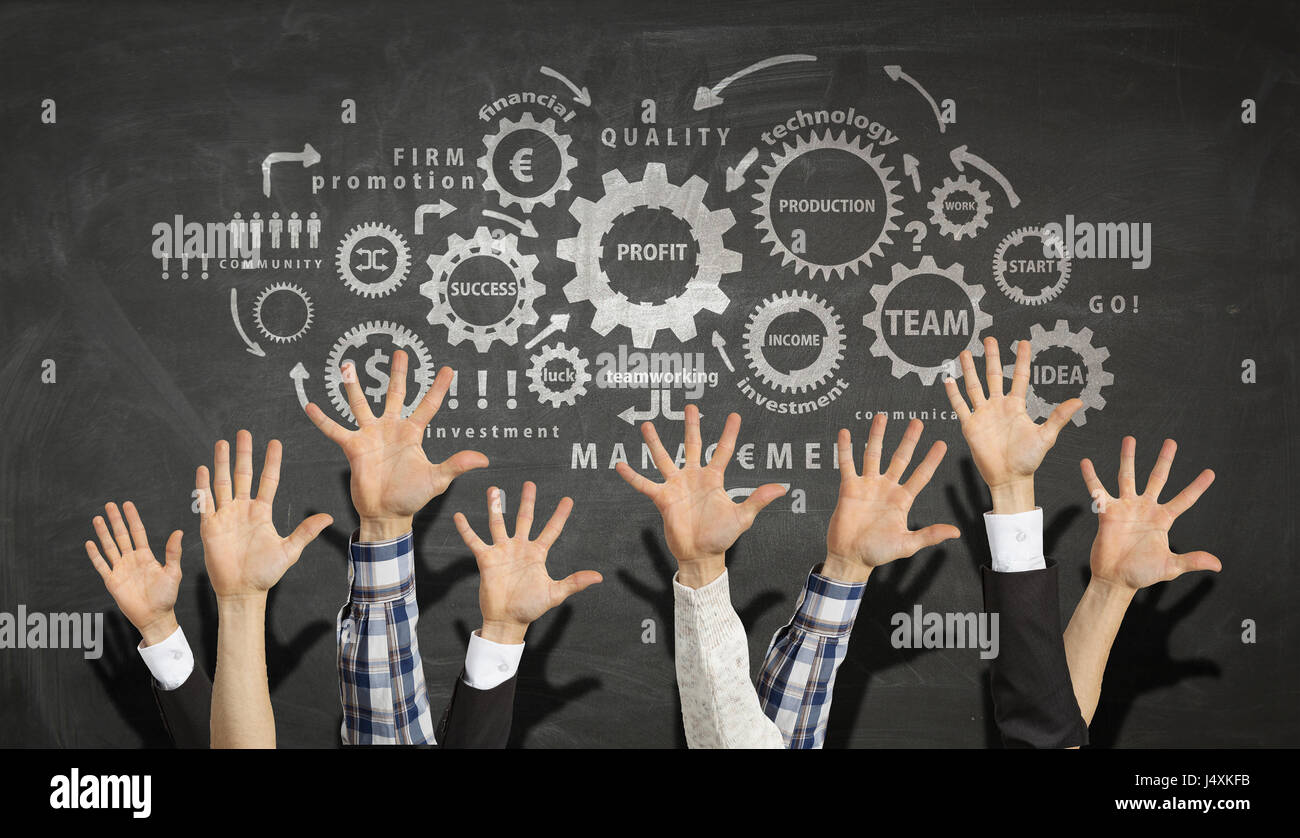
<point x="892" y="179"/>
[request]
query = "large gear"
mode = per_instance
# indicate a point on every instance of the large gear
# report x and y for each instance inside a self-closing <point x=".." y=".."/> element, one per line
<point x="401" y="259"/>
<point x="643" y="319"/>
<point x="546" y="393"/>
<point x="504" y="249"/>
<point x="785" y="158"/>
<point x="1093" y="357"/>
<point x="527" y="123"/>
<point x="832" y="348"/>
<point x="355" y="338"/>
<point x="1016" y="293"/>
<point x="928" y="267"/>
<point x="939" y="215"/>
<point x="283" y="287"/>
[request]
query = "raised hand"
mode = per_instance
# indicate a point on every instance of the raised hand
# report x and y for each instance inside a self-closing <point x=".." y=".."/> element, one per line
<point x="514" y="587"/>
<point x="392" y="478"/>
<point x="1006" y="444"/>
<point x="700" y="520"/>
<point x="869" y="527"/>
<point x="144" y="590"/>
<point x="1132" y="544"/>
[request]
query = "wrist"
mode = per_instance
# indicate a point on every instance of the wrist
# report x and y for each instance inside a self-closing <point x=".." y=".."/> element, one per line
<point x="158" y="630"/>
<point x="384" y="528"/>
<point x="1013" y="496"/>
<point x="698" y="572"/>
<point x="844" y="570"/>
<point x="505" y="632"/>
<point x="1111" y="592"/>
<point x="241" y="604"/>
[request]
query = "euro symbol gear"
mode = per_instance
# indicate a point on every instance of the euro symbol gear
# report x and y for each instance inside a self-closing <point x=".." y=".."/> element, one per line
<point x="527" y="123"/>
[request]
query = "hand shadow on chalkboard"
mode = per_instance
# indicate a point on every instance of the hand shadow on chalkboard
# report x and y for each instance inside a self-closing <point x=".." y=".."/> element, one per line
<point x="1140" y="660"/>
<point x="125" y="679"/>
<point x="660" y="597"/>
<point x="969" y="509"/>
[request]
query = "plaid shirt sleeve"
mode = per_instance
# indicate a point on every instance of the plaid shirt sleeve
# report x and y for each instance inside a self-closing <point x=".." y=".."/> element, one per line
<point x="381" y="678"/>
<point x="799" y="669"/>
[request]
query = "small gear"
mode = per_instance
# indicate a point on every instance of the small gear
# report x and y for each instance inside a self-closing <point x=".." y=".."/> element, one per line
<point x="832" y="348"/>
<point x="546" y="393"/>
<point x="801" y="147"/>
<point x="288" y="288"/>
<point x="505" y="250"/>
<point x="527" y="123"/>
<point x="939" y="214"/>
<point x="357" y="337"/>
<point x="1017" y="293"/>
<point x="712" y="259"/>
<point x="1080" y="343"/>
<point x="927" y="267"/>
<point x="401" y="259"/>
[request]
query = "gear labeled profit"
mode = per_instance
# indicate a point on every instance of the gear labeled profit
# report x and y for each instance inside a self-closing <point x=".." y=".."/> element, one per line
<point x="282" y="288"/>
<point x="832" y="341"/>
<point x="489" y="163"/>
<point x="373" y="259"/>
<point x="438" y="289"/>
<point x="712" y="258"/>
<point x="962" y="198"/>
<point x="1092" y="357"/>
<point x="575" y="382"/>
<point x="1053" y="272"/>
<point x="880" y="348"/>
<point x="376" y="341"/>
<point x="876" y="242"/>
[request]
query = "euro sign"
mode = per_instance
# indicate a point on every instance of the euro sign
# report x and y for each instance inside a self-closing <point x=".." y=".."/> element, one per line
<point x="521" y="165"/>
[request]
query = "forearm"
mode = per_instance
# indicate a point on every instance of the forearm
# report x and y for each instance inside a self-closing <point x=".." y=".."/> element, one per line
<point x="1089" y="636"/>
<point x="241" y="700"/>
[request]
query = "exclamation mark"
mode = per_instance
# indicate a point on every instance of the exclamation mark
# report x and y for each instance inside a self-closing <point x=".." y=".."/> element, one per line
<point x="164" y="261"/>
<point x="1135" y="303"/>
<point x="185" y="266"/>
<point x="510" y="389"/>
<point x="482" y="389"/>
<point x="453" y="402"/>
<point x="203" y="260"/>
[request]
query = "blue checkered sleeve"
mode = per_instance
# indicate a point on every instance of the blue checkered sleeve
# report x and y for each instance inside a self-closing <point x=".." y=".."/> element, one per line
<point x="799" y="669"/>
<point x="381" y="678"/>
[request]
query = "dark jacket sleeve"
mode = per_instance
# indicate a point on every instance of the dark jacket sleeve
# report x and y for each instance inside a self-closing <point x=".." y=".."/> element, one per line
<point x="1033" y="697"/>
<point x="187" y="710"/>
<point x="477" y="718"/>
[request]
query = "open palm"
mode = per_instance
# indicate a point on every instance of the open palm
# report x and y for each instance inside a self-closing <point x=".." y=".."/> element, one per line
<point x="144" y="590"/>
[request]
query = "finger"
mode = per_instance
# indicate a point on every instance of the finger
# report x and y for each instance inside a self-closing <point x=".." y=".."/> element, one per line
<point x="928" y="537"/>
<point x="135" y="526"/>
<point x="761" y="497"/>
<point x="496" y="515"/>
<point x="658" y="453"/>
<point x="555" y="526"/>
<point x="172" y="555"/>
<point x="221" y="486"/>
<point x="726" y="443"/>
<point x="396" y="400"/>
<point x="1020" y="378"/>
<point x="1183" y="500"/>
<point x="120" y="535"/>
<point x="428" y="406"/>
<point x="903" y="454"/>
<point x="1160" y="471"/>
<point x="356" y="399"/>
<point x="1197" y="560"/>
<point x="461" y="462"/>
<point x="467" y="534"/>
<point x="333" y="431"/>
<point x="1127" y="468"/>
<point x="954" y="398"/>
<point x="922" y="474"/>
<point x="844" y="449"/>
<point x="306" y="532"/>
<point x="243" y="464"/>
<point x="1060" y="416"/>
<point x="571" y="584"/>
<point x="993" y="366"/>
<point x="974" y="390"/>
<point x="1090" y="478"/>
<point x="204" y="488"/>
<point x="106" y="540"/>
<point x="693" y="443"/>
<point x="647" y="487"/>
<point x="270" y="472"/>
<point x="98" y="561"/>
<point x="524" y="517"/>
<point x="875" y="446"/>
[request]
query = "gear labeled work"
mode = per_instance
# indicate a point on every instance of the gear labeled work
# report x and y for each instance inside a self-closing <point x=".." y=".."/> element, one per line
<point x="577" y="384"/>
<point x="880" y="348"/>
<point x="832" y="341"/>
<point x="947" y="194"/>
<point x="1060" y="265"/>
<point x="358" y="337"/>
<point x="282" y="288"/>
<point x="488" y="161"/>
<point x="712" y="259"/>
<point x="393" y="273"/>
<point x="789" y="154"/>
<point x="482" y="244"/>
<point x="1093" y="358"/>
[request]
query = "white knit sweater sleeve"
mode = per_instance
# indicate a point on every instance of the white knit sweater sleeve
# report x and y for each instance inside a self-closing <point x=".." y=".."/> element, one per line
<point x="720" y="706"/>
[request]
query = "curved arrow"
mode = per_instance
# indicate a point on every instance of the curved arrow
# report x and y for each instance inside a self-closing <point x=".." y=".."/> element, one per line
<point x="895" y="72"/>
<point x="910" y="169"/>
<point x="309" y="157"/>
<point x="299" y="375"/>
<point x="442" y="209"/>
<point x="559" y="322"/>
<point x="632" y="415"/>
<point x="721" y="343"/>
<point x="582" y="97"/>
<point x="706" y="98"/>
<point x="234" y="315"/>
<point x="960" y="157"/>
<point x="525" y="228"/>
<point x="736" y="174"/>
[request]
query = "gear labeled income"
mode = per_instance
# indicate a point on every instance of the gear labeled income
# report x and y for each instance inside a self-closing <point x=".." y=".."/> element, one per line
<point x="832" y="342"/>
<point x="880" y="348"/>
<point x="1058" y="264"/>
<point x="488" y="162"/>
<point x="282" y="288"/>
<point x="556" y="396"/>
<point x="947" y="198"/>
<point x="360" y="337"/>
<point x="1093" y="358"/>
<point x="712" y="258"/>
<point x="390" y="263"/>
<point x="482" y="244"/>
<point x="789" y="154"/>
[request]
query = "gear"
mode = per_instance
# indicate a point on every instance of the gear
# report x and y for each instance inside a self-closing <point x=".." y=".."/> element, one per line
<point x="545" y="393"/>
<point x="527" y="123"/>
<point x="801" y="147"/>
<point x="644" y="320"/>
<point x="927" y="267"/>
<point x="355" y="338"/>
<point x="939" y="215"/>
<point x="1080" y="343"/>
<point x="504" y="249"/>
<point x="1016" y="293"/>
<point x="832" y="348"/>
<point x="401" y="260"/>
<point x="268" y="291"/>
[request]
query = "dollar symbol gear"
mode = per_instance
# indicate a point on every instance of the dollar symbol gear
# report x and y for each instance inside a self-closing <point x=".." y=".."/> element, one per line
<point x="377" y="390"/>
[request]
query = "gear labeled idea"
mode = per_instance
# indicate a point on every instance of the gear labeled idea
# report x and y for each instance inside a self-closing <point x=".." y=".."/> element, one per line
<point x="1092" y="358"/>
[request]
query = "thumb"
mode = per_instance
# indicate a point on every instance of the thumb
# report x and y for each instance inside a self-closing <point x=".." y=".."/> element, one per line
<point x="929" y="537"/>
<point x="307" y="532"/>
<point x="173" y="553"/>
<point x="1063" y="413"/>
<point x="760" y="498"/>
<point x="461" y="462"/>
<point x="1197" y="560"/>
<point x="571" y="584"/>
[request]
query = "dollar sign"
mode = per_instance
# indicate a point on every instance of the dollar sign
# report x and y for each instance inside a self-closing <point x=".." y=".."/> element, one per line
<point x="377" y="390"/>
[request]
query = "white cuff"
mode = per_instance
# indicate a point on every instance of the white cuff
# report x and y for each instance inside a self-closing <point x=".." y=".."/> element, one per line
<point x="170" y="662"/>
<point x="1016" y="541"/>
<point x="489" y="664"/>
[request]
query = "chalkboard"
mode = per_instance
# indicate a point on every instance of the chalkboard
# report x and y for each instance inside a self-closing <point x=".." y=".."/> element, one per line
<point x="546" y="195"/>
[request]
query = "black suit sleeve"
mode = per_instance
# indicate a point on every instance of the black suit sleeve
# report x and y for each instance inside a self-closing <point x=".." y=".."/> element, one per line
<point x="187" y="710"/>
<point x="477" y="718"/>
<point x="1033" y="697"/>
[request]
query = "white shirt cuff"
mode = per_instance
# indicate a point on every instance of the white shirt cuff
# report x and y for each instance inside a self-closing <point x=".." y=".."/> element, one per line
<point x="1016" y="541"/>
<point x="489" y="664"/>
<point x="170" y="662"/>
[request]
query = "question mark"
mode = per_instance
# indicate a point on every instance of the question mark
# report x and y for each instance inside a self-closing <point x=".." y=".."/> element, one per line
<point x="919" y="233"/>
